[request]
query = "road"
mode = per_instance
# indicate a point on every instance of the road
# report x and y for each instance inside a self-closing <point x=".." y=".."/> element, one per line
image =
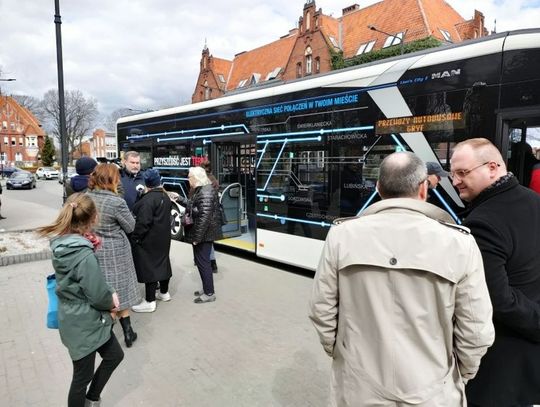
<point x="27" y="209"/>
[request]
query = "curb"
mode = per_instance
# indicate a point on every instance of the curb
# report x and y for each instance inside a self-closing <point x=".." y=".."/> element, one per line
<point x="24" y="258"/>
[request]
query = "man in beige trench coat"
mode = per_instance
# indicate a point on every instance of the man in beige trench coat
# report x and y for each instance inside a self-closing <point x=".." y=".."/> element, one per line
<point x="400" y="300"/>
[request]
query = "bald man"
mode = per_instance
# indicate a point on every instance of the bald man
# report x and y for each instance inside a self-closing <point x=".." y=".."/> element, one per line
<point x="504" y="218"/>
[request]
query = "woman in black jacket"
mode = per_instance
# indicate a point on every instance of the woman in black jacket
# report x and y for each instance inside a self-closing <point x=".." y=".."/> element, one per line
<point x="203" y="206"/>
<point x="151" y="242"/>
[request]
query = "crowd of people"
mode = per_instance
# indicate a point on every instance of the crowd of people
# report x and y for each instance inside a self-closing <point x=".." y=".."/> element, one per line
<point x="413" y="308"/>
<point x="112" y="233"/>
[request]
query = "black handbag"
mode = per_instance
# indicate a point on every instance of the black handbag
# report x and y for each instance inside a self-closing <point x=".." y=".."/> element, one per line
<point x="187" y="219"/>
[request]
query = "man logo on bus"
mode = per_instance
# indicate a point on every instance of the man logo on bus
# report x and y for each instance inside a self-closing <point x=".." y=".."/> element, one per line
<point x="446" y="74"/>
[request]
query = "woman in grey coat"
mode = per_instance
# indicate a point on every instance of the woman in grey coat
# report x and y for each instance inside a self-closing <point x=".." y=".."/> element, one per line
<point x="114" y="256"/>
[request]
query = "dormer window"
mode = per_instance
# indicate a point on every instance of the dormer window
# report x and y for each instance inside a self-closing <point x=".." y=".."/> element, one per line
<point x="273" y="74"/>
<point x="221" y="78"/>
<point x="255" y="78"/>
<point x="393" y="40"/>
<point x="365" y="48"/>
<point x="242" y="83"/>
<point x="446" y="35"/>
<point x="333" y="41"/>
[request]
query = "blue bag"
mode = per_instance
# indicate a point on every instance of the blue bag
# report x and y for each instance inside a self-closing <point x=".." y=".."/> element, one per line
<point x="52" y="309"/>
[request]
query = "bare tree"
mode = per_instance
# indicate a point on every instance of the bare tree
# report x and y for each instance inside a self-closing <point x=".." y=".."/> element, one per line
<point x="31" y="103"/>
<point x="81" y="114"/>
<point x="110" y="120"/>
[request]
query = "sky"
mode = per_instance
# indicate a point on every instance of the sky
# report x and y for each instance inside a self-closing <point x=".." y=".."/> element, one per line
<point x="145" y="54"/>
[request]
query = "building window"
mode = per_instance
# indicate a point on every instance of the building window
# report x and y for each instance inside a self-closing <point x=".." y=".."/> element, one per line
<point x="4" y="125"/>
<point x="242" y="83"/>
<point x="317" y="65"/>
<point x="365" y="48"/>
<point x="21" y="141"/>
<point x="299" y="70"/>
<point x="12" y="125"/>
<point x="3" y="157"/>
<point x="333" y="41"/>
<point x="207" y="91"/>
<point x="308" y="61"/>
<point x="221" y="78"/>
<point x="393" y="40"/>
<point x="13" y="141"/>
<point x="18" y="156"/>
<point x="446" y="35"/>
<point x="6" y="141"/>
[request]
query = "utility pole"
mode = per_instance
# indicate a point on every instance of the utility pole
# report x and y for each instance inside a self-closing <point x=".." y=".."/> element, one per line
<point x="61" y="101"/>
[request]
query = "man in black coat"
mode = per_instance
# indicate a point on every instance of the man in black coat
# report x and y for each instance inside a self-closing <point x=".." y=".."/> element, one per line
<point x="504" y="218"/>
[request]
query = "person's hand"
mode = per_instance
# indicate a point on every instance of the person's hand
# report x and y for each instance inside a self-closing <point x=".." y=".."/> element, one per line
<point x="116" y="302"/>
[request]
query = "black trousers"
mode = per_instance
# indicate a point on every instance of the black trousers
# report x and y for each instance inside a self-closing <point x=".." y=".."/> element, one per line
<point x="201" y="252"/>
<point x="83" y="372"/>
<point x="150" y="289"/>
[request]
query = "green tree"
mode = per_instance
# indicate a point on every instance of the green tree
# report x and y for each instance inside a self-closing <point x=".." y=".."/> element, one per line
<point x="47" y="152"/>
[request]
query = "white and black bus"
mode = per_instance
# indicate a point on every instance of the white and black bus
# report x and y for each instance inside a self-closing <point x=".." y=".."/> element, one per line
<point x="292" y="157"/>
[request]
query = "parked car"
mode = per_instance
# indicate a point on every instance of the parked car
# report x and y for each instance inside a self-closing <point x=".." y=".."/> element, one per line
<point x="7" y="171"/>
<point x="21" y="180"/>
<point x="71" y="172"/>
<point x="46" y="172"/>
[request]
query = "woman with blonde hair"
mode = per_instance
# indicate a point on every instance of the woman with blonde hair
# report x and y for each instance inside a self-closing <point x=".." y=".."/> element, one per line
<point x="86" y="303"/>
<point x="203" y="205"/>
<point x="114" y="256"/>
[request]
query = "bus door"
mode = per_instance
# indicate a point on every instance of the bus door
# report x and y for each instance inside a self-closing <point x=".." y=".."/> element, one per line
<point x="234" y="163"/>
<point x="521" y="141"/>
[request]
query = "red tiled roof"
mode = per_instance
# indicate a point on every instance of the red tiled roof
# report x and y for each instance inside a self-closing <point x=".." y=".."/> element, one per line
<point x="420" y="18"/>
<point x="262" y="60"/>
<point x="330" y="27"/>
<point x="221" y="67"/>
<point x="441" y="15"/>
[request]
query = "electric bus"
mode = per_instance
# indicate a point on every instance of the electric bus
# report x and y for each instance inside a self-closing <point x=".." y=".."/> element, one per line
<point x="291" y="157"/>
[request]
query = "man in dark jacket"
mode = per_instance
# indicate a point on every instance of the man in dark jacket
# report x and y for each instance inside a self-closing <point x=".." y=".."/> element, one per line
<point x="504" y="218"/>
<point x="79" y="183"/>
<point x="132" y="178"/>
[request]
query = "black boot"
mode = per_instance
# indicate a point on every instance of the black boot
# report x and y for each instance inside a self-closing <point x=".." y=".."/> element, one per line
<point x="129" y="335"/>
<point x="213" y="264"/>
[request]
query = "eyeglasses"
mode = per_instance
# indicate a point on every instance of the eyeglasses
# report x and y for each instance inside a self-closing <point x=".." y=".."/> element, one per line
<point x="463" y="173"/>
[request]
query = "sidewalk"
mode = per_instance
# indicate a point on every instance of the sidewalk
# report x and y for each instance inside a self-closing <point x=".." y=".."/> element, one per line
<point x="254" y="346"/>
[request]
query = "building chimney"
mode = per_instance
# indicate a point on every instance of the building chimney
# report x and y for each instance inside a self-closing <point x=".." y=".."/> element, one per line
<point x="350" y="9"/>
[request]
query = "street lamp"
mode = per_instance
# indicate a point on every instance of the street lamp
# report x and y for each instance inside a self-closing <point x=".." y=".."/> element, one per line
<point x="61" y="102"/>
<point x="401" y="40"/>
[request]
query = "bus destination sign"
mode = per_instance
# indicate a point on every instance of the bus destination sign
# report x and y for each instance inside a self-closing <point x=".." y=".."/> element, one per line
<point x="414" y="124"/>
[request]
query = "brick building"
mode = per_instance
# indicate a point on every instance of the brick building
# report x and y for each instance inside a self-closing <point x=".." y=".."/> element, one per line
<point x="101" y="144"/>
<point x="307" y="49"/>
<point x="21" y="135"/>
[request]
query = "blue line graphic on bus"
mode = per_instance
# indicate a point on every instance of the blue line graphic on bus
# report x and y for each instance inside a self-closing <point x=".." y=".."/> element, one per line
<point x="321" y="131"/>
<point x="285" y="218"/>
<point x="167" y="133"/>
<point x="277" y="197"/>
<point x="203" y="136"/>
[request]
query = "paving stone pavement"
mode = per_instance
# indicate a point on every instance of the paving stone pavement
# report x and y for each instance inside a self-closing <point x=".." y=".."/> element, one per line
<point x="254" y="346"/>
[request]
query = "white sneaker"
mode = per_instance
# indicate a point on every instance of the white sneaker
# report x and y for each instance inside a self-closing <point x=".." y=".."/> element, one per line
<point x="163" y="297"/>
<point x="144" y="306"/>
